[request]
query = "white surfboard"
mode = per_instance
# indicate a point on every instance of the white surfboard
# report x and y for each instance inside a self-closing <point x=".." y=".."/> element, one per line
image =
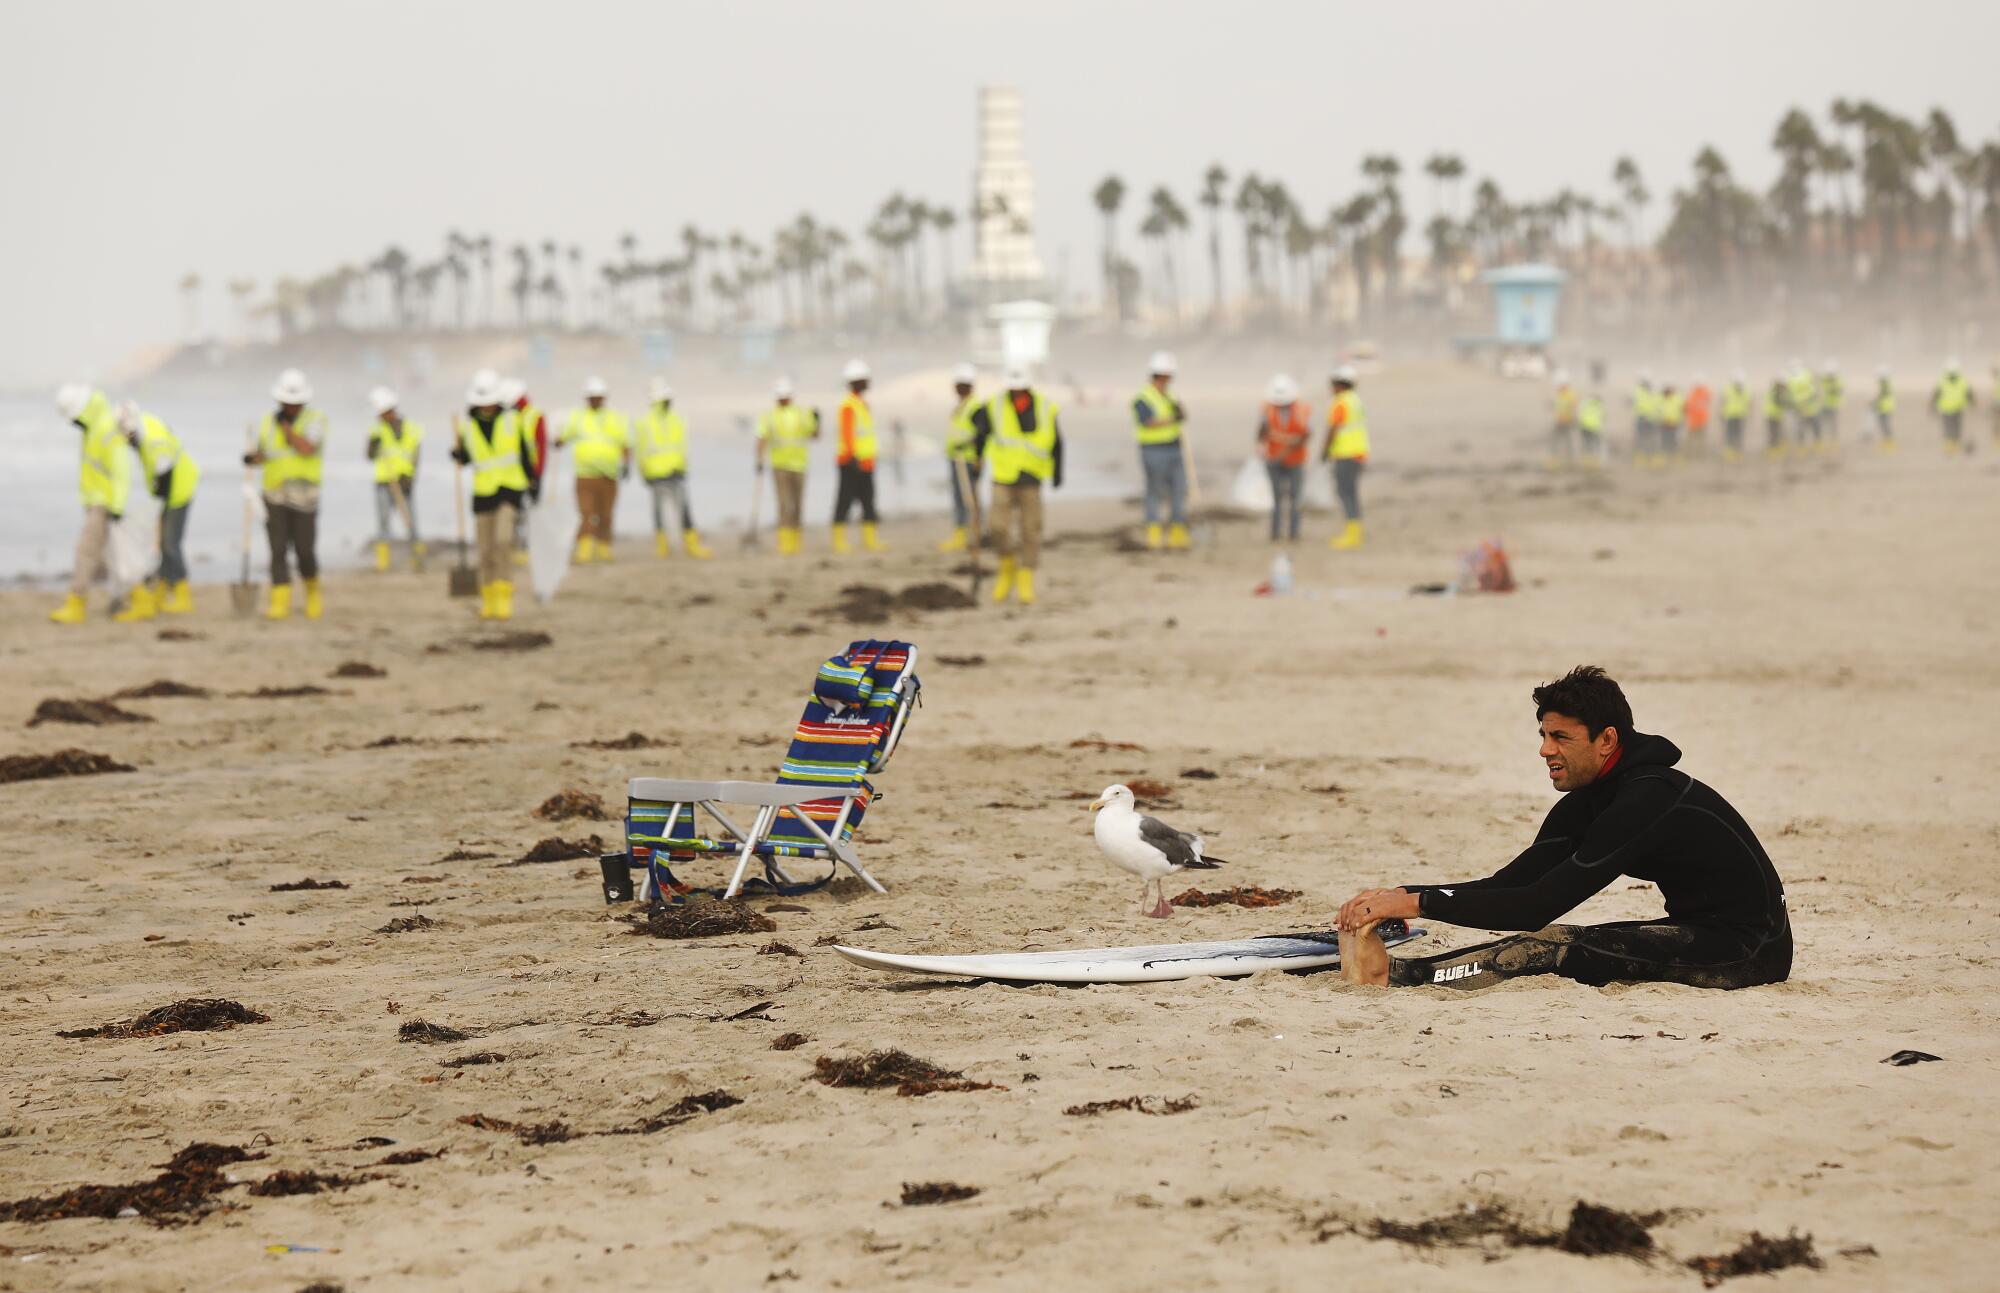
<point x="1155" y="963"/>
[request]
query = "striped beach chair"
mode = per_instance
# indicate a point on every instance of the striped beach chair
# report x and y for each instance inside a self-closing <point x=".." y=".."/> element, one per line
<point x="860" y="704"/>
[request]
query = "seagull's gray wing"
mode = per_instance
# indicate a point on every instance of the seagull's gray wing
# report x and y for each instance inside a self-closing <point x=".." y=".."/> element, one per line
<point x="1178" y="846"/>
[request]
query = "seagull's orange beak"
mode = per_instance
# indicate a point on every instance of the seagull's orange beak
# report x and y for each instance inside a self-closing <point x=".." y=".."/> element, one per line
<point x="1096" y="804"/>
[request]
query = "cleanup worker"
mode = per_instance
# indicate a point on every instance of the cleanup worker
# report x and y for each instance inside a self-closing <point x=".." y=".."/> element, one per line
<point x="290" y="444"/>
<point x="534" y="453"/>
<point x="1284" y="436"/>
<point x="1832" y="394"/>
<point x="1643" y="412"/>
<point x="392" y="447"/>
<point x="1804" y="392"/>
<point x="1159" y="417"/>
<point x="783" y="436"/>
<point x="1776" y="402"/>
<point x="171" y="475"/>
<point x="104" y="480"/>
<point x="1885" y="411"/>
<point x="1951" y="399"/>
<point x="1700" y="401"/>
<point x="1735" y="412"/>
<point x="490" y="442"/>
<point x="855" y="459"/>
<point x="1562" y="439"/>
<point x="1347" y="445"/>
<point x="1669" y="408"/>
<point x="663" y="460"/>
<point x="1590" y="422"/>
<point x="962" y="460"/>
<point x="603" y="441"/>
<point x="1017" y="434"/>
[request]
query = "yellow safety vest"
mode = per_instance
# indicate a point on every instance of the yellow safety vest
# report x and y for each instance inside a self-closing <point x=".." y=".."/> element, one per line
<point x="1645" y="404"/>
<point x="958" y="441"/>
<point x="281" y="465"/>
<point x="662" y="444"/>
<point x="862" y="447"/>
<point x="602" y="436"/>
<point x="1351" y="439"/>
<point x="1167" y="422"/>
<point x="1831" y="392"/>
<point x="1565" y="406"/>
<point x="1805" y="394"/>
<point x="396" y="454"/>
<point x="496" y="460"/>
<point x="1774" y="402"/>
<point x="1885" y="398"/>
<point x="531" y="452"/>
<point x="104" y="477"/>
<point x="1014" y="452"/>
<point x="1735" y="401"/>
<point x="786" y="430"/>
<point x="1590" y="415"/>
<point x="1669" y="409"/>
<point x="1953" y="394"/>
<point x="160" y="451"/>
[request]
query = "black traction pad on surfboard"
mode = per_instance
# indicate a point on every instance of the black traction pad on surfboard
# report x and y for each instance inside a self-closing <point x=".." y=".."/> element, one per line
<point x="1388" y="929"/>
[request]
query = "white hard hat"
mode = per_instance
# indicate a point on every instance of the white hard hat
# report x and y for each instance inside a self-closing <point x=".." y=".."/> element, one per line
<point x="1560" y="377"/>
<point x="1797" y="365"/>
<point x="1345" y="373"/>
<point x="1701" y="379"/>
<point x="1162" y="364"/>
<point x="1951" y="365"/>
<point x="1283" y="390"/>
<point x="1645" y="377"/>
<point x="1016" y="377"/>
<point x="964" y="375"/>
<point x="658" y="389"/>
<point x="1882" y="370"/>
<point x="856" y="371"/>
<point x="782" y="388"/>
<point x="291" y="388"/>
<point x="382" y="398"/>
<point x="484" y="390"/>
<point x="70" y="399"/>
<point x="594" y="388"/>
<point x="1738" y="377"/>
<point x="1831" y="365"/>
<point x="129" y="417"/>
<point x="512" y="389"/>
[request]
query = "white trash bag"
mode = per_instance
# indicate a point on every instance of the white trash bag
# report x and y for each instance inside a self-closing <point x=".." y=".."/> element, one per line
<point x="551" y="532"/>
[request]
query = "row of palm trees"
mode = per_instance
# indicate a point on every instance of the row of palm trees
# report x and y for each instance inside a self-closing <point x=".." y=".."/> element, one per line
<point x="1866" y="201"/>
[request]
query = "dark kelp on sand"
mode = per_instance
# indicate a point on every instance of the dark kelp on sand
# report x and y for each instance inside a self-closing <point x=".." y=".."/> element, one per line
<point x="909" y="1075"/>
<point x="63" y="763"/>
<point x="184" y="1191"/>
<point x="193" y="1015"/>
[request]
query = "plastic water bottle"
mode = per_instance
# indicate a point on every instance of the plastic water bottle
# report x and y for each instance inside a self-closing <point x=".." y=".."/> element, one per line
<point x="1281" y="574"/>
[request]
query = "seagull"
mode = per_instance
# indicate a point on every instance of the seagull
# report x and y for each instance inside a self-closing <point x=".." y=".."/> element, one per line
<point x="1145" y="846"/>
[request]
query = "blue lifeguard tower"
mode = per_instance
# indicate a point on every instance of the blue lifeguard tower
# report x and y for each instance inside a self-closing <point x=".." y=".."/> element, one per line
<point x="1525" y="298"/>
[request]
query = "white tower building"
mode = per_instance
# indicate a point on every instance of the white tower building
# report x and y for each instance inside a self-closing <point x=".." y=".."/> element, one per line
<point x="1004" y="235"/>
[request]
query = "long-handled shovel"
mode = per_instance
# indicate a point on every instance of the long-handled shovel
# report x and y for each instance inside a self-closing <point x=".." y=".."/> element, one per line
<point x="464" y="581"/>
<point x="975" y="519"/>
<point x="409" y="523"/>
<point x="1202" y="531"/>
<point x="756" y="497"/>
<point x="243" y="593"/>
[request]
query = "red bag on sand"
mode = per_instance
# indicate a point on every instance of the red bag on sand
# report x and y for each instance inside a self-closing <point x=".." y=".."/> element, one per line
<point x="1485" y="569"/>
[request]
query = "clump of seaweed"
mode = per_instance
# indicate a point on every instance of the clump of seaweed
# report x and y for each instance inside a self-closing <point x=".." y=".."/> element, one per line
<point x="193" y="1015"/>
<point x="704" y="919"/>
<point x="893" y="1068"/>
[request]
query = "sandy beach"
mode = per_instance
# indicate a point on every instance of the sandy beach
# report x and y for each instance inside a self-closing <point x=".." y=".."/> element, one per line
<point x="1818" y="636"/>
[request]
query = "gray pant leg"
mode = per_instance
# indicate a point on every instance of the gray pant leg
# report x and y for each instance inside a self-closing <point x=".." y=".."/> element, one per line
<point x="1347" y="484"/>
<point x="173" y="535"/>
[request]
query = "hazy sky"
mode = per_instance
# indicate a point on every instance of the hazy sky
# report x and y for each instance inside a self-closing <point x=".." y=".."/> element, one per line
<point x="146" y="139"/>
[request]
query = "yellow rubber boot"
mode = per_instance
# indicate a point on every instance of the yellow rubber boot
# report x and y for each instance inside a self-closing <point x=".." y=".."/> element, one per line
<point x="381" y="556"/>
<point x="1004" y="583"/>
<point x="1024" y="586"/>
<point x="870" y="539"/>
<point x="1152" y="536"/>
<point x="503" y="599"/>
<point x="695" y="547"/>
<point x="1348" y="538"/>
<point x="138" y="607"/>
<point x="180" y="600"/>
<point x="583" y="552"/>
<point x="486" y="601"/>
<point x="1177" y="535"/>
<point x="603" y="550"/>
<point x="314" y="606"/>
<point x="840" y="540"/>
<point x="956" y="543"/>
<point x="70" y="612"/>
<point x="661" y="548"/>
<point x="280" y="607"/>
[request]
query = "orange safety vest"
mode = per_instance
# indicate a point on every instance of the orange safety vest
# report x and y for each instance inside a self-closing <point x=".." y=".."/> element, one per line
<point x="1697" y="409"/>
<point x="1286" y="431"/>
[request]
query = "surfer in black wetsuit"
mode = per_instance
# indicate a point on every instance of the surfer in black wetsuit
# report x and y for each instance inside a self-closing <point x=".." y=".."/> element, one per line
<point x="1626" y="811"/>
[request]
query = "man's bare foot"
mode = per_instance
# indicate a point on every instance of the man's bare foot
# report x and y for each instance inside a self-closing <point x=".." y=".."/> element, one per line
<point x="1363" y="958"/>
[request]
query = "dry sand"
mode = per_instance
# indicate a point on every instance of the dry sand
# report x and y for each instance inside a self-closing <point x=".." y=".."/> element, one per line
<point x="1819" y="638"/>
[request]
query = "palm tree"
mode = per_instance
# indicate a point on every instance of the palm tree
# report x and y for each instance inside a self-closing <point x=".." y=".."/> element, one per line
<point x="1250" y="207"/>
<point x="944" y="219"/>
<point x="1165" y="219"/>
<point x="1213" y="182"/>
<point x="1946" y="156"/>
<point x="522" y="283"/>
<point x="394" y="265"/>
<point x="240" y="292"/>
<point x="1445" y="170"/>
<point x="1108" y="196"/>
<point x="1384" y="170"/>
<point x="483" y="245"/>
<point x="1632" y="192"/>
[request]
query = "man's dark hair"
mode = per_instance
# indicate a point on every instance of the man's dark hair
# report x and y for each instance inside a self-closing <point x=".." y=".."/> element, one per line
<point x="1588" y="694"/>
